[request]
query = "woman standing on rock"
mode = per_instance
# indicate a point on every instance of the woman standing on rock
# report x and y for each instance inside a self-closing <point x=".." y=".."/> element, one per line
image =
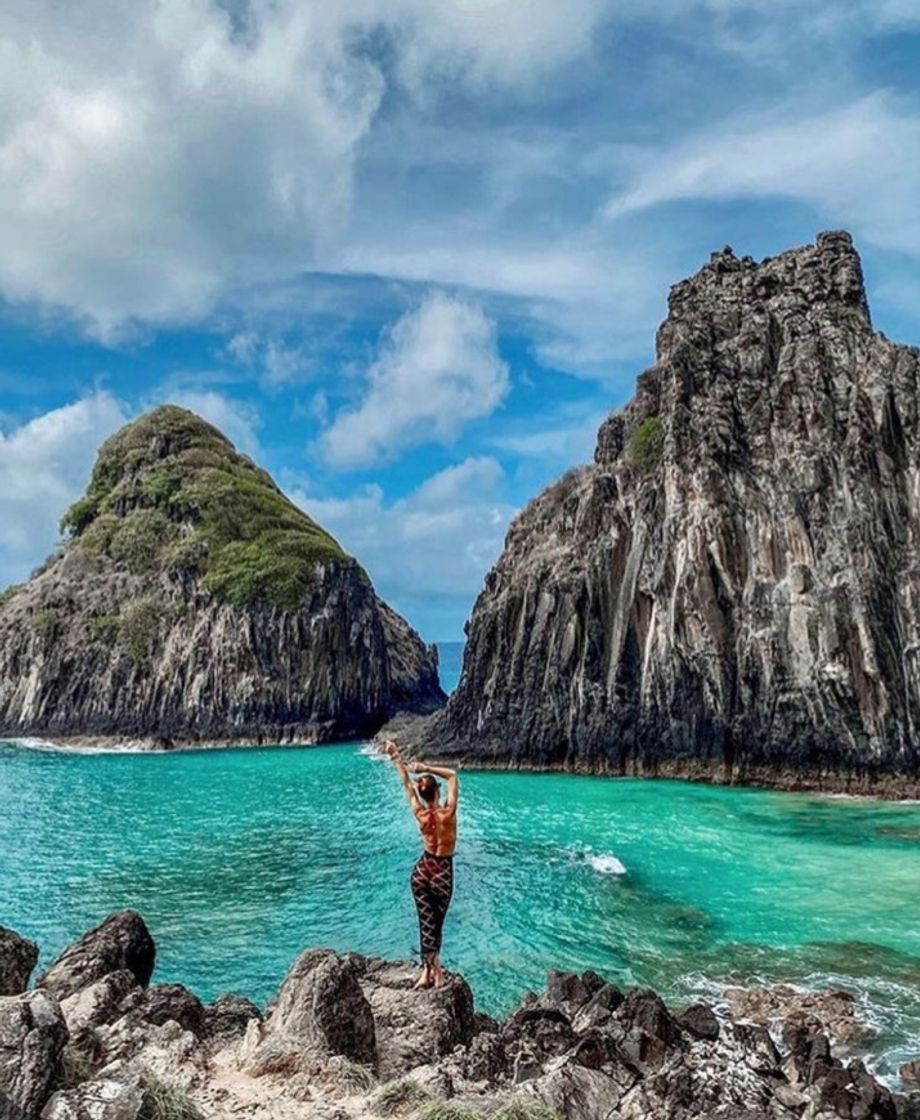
<point x="433" y="875"/>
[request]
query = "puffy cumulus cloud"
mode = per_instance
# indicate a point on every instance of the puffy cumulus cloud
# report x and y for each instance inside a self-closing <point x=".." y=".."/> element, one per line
<point x="44" y="465"/>
<point x="429" y="550"/>
<point x="153" y="153"/>
<point x="438" y="368"/>
<point x="857" y="165"/>
<point x="157" y="155"/>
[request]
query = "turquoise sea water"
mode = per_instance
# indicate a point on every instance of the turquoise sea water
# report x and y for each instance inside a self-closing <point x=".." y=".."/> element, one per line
<point x="240" y="858"/>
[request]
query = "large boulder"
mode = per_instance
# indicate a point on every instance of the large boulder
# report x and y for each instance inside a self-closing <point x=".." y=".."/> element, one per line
<point x="32" y="1037"/>
<point x="122" y="941"/>
<point x="18" y="957"/>
<point x="321" y="1007"/>
<point x="103" y="1098"/>
<point x="414" y="1028"/>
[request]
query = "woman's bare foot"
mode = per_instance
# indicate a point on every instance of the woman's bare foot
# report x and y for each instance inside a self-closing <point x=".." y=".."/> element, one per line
<point x="425" y="980"/>
<point x="437" y="974"/>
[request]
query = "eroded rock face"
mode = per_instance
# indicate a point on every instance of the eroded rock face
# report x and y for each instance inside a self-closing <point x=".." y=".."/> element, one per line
<point x="32" y="1037"/>
<point x="100" y="1002"/>
<point x="730" y="590"/>
<point x="121" y="943"/>
<point x="193" y="602"/>
<point x="18" y="957"/>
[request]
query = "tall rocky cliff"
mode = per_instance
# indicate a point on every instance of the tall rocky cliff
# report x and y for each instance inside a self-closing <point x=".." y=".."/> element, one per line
<point x="191" y="601"/>
<point x="732" y="589"/>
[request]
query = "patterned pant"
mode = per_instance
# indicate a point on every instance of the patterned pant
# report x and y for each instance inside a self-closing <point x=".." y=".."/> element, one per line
<point x="432" y="885"/>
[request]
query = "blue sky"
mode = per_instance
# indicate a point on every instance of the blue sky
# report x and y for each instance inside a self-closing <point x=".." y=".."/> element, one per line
<point x="408" y="255"/>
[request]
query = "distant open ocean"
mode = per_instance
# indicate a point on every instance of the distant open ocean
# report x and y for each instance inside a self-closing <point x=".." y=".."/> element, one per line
<point x="450" y="656"/>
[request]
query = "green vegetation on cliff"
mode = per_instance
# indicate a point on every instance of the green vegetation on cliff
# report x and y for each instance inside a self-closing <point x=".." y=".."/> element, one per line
<point x="645" y="444"/>
<point x="170" y="491"/>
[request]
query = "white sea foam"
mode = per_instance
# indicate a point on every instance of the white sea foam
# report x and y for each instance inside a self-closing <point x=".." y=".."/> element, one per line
<point x="30" y="744"/>
<point x="604" y="863"/>
<point x="607" y="864"/>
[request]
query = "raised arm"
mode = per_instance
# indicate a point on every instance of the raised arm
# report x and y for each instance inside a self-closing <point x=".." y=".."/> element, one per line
<point x="403" y="771"/>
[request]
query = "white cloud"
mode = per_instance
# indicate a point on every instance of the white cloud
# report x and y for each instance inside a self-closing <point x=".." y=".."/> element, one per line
<point x="570" y="442"/>
<point x="270" y="358"/>
<point x="44" y="465"/>
<point x="437" y="368"/>
<point x="436" y="543"/>
<point x="857" y="166"/>
<point x="157" y="155"/>
<point x="494" y="41"/>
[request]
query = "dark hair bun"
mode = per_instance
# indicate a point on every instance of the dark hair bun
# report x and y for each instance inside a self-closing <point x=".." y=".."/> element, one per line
<point x="427" y="787"/>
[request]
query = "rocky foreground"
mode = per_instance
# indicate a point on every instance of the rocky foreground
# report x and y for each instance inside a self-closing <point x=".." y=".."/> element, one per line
<point x="730" y="591"/>
<point x="192" y="602"/>
<point x="347" y="1038"/>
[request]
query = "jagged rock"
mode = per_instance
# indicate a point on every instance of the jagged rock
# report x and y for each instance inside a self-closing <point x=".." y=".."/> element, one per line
<point x="569" y="992"/>
<point x="849" y="1092"/>
<point x="99" y="1003"/>
<point x="100" y="1099"/>
<point x="725" y="593"/>
<point x="699" y="1020"/>
<point x="833" y="1011"/>
<point x="129" y="1048"/>
<point x="539" y="1032"/>
<point x="18" y="957"/>
<point x="228" y="1017"/>
<point x="192" y="601"/>
<point x="321" y="1007"/>
<point x="577" y="1093"/>
<point x="761" y="1053"/>
<point x="910" y="1072"/>
<point x="808" y="1054"/>
<point x="162" y="1003"/>
<point x="581" y="1047"/>
<point x="599" y="1009"/>
<point x="414" y="1028"/>
<point x="907" y="1107"/>
<point x="650" y="1029"/>
<point x="32" y="1037"/>
<point x="485" y="1059"/>
<point x="122" y="941"/>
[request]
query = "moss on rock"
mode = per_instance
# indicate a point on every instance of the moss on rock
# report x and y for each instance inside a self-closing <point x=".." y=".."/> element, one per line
<point x="645" y="445"/>
<point x="170" y="491"/>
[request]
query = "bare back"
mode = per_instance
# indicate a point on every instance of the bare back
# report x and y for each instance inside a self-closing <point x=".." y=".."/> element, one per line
<point x="438" y="825"/>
